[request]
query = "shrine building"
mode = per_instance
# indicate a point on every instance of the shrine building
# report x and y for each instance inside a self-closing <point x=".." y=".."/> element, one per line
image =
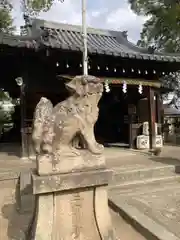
<point x="48" y="54"/>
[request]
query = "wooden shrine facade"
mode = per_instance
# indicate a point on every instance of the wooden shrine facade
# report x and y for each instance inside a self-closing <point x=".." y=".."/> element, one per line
<point x="51" y="53"/>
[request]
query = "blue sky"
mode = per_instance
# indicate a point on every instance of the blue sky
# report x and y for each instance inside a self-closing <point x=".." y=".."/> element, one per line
<point x="110" y="14"/>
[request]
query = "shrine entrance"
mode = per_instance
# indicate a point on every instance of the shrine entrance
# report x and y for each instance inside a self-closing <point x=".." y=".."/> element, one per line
<point x="113" y="125"/>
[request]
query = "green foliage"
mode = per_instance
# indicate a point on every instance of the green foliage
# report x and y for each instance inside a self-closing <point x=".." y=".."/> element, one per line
<point x="40" y="5"/>
<point x="161" y="30"/>
<point x="5" y="115"/>
<point x="33" y="7"/>
<point x="171" y="82"/>
<point x="6" y="21"/>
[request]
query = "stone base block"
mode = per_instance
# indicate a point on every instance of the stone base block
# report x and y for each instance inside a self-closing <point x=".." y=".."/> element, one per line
<point x="76" y="208"/>
<point x="69" y="163"/>
<point x="142" y="142"/>
<point x="159" y="141"/>
<point x="70" y="181"/>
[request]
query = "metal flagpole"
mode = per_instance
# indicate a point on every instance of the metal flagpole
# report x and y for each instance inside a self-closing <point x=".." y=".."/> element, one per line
<point x="84" y="35"/>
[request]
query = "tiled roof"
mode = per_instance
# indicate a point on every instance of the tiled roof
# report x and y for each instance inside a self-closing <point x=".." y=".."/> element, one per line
<point x="107" y="42"/>
<point x="18" y="41"/>
<point x="69" y="37"/>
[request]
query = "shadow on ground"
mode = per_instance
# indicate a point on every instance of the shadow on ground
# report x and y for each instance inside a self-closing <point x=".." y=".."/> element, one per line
<point x="10" y="149"/>
<point x="18" y="221"/>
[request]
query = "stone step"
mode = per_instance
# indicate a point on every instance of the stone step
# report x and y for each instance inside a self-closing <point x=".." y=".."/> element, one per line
<point x="139" y="184"/>
<point x="142" y="175"/>
<point x="148" y="228"/>
<point x="145" y="187"/>
<point x="152" y="208"/>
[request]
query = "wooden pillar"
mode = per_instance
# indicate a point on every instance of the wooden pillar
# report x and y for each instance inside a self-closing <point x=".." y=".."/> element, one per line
<point x="130" y="131"/>
<point x="159" y="112"/>
<point x="131" y="114"/>
<point x="23" y="123"/>
<point x="24" y="144"/>
<point x="151" y="106"/>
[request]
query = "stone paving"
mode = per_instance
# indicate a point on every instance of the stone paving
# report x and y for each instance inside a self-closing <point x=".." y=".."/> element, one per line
<point x="159" y="201"/>
<point x="162" y="206"/>
<point x="159" y="204"/>
<point x="155" y="205"/>
<point x="13" y="224"/>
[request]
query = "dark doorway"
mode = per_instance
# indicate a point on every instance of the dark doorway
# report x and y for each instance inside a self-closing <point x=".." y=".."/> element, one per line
<point x="112" y="126"/>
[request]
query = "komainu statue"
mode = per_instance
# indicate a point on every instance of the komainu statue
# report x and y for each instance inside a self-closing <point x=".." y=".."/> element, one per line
<point x="56" y="128"/>
<point x="70" y="184"/>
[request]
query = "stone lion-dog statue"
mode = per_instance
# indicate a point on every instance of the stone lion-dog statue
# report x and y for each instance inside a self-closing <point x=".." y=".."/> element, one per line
<point x="55" y="128"/>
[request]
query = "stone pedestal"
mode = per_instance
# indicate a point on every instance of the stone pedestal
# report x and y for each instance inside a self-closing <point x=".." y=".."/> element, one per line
<point x="72" y="206"/>
<point x="70" y="181"/>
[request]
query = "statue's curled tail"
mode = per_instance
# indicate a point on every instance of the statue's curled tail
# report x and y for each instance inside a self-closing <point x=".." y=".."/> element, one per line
<point x="42" y="114"/>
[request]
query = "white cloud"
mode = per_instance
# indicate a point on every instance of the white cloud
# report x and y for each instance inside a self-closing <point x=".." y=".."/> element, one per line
<point x="96" y="14"/>
<point x="100" y="14"/>
<point x="124" y="19"/>
<point x="68" y="12"/>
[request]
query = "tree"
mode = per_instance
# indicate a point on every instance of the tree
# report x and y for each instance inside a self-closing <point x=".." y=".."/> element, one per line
<point x="171" y="82"/>
<point x="162" y="29"/>
<point x="6" y="21"/>
<point x="33" y="7"/>
<point x="162" y="32"/>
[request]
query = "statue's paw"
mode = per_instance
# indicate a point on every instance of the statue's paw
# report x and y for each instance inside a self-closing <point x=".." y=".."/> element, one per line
<point x="97" y="150"/>
<point x="75" y="152"/>
<point x="100" y="146"/>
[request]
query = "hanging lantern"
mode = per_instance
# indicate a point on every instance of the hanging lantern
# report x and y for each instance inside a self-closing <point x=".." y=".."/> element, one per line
<point x="114" y="69"/>
<point x="67" y="65"/>
<point x="98" y="67"/>
<point x="154" y="71"/>
<point x="139" y="72"/>
<point x="132" y="70"/>
<point x="124" y="71"/>
<point x="80" y="65"/>
<point x="146" y="72"/>
<point x="57" y="64"/>
<point x="106" y="86"/>
<point x="89" y="67"/>
<point x="140" y="89"/>
<point x="107" y="68"/>
<point x="124" y="87"/>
